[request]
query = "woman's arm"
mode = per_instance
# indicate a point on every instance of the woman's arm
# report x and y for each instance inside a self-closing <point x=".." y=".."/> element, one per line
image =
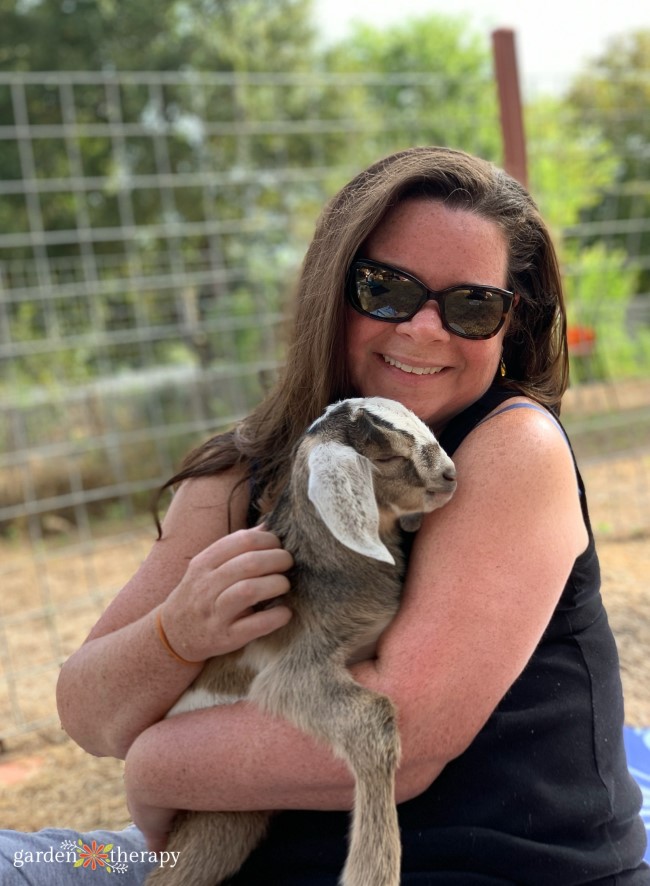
<point x="486" y="573"/>
<point x="485" y="578"/>
<point x="201" y="582"/>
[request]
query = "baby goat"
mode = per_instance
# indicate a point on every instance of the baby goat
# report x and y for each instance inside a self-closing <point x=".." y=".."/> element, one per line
<point x="362" y="470"/>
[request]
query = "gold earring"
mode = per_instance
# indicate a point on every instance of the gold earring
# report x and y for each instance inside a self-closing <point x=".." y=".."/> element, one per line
<point x="502" y="368"/>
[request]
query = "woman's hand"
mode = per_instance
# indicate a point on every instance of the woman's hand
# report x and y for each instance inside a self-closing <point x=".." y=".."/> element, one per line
<point x="154" y="822"/>
<point x="214" y="608"/>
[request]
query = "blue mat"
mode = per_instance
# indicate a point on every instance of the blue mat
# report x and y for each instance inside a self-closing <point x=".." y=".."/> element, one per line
<point x="637" y="745"/>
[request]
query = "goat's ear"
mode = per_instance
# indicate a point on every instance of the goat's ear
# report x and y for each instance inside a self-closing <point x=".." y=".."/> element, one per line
<point x="340" y="488"/>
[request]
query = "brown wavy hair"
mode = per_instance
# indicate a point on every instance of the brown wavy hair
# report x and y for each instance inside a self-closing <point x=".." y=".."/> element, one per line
<point x="315" y="373"/>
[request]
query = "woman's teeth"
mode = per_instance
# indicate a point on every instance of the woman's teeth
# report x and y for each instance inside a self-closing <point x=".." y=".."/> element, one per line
<point x="416" y="370"/>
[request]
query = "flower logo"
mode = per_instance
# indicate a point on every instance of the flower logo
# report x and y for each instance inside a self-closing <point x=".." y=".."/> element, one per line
<point x="93" y="856"/>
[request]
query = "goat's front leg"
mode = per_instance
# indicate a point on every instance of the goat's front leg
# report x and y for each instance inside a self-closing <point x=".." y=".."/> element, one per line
<point x="361" y="727"/>
<point x="211" y="846"/>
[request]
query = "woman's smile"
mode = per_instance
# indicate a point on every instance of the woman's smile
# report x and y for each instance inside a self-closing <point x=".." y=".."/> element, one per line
<point x="403" y="366"/>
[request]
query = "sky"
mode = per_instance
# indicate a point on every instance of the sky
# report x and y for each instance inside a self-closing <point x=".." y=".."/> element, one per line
<point x="554" y="38"/>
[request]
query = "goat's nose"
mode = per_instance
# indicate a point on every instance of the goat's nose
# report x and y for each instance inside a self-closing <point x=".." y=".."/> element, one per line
<point x="446" y="484"/>
<point x="449" y="473"/>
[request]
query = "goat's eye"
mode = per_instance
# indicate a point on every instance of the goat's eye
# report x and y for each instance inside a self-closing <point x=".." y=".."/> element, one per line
<point x="387" y="459"/>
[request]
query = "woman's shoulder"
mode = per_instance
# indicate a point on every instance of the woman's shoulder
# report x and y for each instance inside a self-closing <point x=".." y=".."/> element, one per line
<point x="495" y="401"/>
<point x="520" y="455"/>
<point x="507" y="421"/>
<point x="519" y="433"/>
<point x="207" y="505"/>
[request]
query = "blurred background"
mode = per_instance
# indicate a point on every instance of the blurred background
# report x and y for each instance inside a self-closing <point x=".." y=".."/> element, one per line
<point x="161" y="169"/>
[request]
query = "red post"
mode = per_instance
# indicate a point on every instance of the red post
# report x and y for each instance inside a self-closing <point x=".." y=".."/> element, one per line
<point x="512" y="123"/>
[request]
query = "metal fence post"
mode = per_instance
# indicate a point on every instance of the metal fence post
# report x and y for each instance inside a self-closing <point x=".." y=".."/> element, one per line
<point x="512" y="122"/>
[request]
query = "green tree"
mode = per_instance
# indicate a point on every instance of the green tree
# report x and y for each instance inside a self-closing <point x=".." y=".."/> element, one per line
<point x="570" y="169"/>
<point x="612" y="95"/>
<point x="450" y="99"/>
<point x="123" y="133"/>
<point x="168" y="35"/>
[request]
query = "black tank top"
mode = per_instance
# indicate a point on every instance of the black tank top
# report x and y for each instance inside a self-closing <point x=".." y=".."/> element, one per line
<point x="542" y="797"/>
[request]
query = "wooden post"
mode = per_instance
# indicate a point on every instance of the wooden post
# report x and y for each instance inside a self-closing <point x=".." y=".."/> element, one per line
<point x="512" y="123"/>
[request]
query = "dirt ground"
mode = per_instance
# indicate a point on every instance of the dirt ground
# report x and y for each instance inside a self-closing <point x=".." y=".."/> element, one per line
<point x="46" y="780"/>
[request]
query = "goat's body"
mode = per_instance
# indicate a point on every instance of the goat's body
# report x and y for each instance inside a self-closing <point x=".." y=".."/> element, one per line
<point x="342" y="601"/>
<point x="299" y="673"/>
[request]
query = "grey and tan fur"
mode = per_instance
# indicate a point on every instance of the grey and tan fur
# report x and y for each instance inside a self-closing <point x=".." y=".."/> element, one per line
<point x="364" y="469"/>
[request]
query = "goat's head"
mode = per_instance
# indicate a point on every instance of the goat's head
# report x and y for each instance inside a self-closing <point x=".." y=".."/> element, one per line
<point x="372" y="462"/>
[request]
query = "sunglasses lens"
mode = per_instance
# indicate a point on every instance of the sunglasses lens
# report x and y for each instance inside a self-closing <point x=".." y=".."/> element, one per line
<point x="473" y="313"/>
<point x="386" y="295"/>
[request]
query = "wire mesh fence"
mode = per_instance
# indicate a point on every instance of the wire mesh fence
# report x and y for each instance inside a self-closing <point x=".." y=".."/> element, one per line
<point x="152" y="224"/>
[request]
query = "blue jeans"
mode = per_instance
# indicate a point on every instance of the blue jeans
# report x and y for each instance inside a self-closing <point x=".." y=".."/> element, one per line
<point x="59" y="856"/>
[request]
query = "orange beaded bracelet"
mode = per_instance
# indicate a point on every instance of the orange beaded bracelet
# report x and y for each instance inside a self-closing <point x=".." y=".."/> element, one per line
<point x="168" y="646"/>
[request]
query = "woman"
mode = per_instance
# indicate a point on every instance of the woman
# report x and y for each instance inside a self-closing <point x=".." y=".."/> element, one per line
<point x="431" y="279"/>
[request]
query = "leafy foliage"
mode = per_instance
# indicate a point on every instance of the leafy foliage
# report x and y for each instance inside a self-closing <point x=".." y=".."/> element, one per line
<point x="571" y="168"/>
<point x="168" y="35"/>
<point x="612" y="96"/>
<point x="454" y="104"/>
<point x="171" y="203"/>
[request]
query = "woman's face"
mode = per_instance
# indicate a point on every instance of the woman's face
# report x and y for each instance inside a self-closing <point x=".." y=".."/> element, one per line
<point x="441" y="247"/>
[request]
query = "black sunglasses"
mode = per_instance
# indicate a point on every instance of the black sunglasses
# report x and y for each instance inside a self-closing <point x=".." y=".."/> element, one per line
<point x="386" y="293"/>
